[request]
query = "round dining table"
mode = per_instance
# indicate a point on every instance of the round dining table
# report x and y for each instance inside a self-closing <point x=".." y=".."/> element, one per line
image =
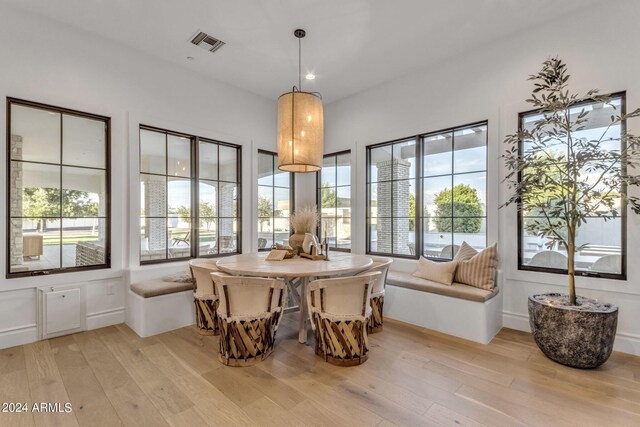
<point x="255" y="264"/>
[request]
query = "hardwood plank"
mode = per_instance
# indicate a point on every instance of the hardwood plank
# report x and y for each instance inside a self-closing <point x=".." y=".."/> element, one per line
<point x="265" y="412"/>
<point x="90" y="403"/>
<point x="45" y="385"/>
<point x="14" y="386"/>
<point x="210" y="402"/>
<point x="164" y="395"/>
<point x="443" y="416"/>
<point x="187" y="418"/>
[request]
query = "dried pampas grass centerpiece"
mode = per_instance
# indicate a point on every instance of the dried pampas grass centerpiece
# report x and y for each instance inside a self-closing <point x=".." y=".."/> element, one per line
<point x="303" y="220"/>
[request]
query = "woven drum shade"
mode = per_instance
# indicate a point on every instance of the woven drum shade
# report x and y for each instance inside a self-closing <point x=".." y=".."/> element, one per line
<point x="300" y="132"/>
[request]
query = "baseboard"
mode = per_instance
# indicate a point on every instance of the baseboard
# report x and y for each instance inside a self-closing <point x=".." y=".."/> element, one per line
<point x="101" y="319"/>
<point x="627" y="343"/>
<point x="517" y="321"/>
<point x="18" y="336"/>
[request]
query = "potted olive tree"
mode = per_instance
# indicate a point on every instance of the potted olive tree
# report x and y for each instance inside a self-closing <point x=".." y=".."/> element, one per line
<point x="564" y="178"/>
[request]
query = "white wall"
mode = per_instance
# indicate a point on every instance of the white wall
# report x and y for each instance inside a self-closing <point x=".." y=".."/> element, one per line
<point x="48" y="62"/>
<point x="599" y="45"/>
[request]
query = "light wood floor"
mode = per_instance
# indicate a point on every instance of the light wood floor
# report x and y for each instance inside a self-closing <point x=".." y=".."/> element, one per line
<point x="413" y="377"/>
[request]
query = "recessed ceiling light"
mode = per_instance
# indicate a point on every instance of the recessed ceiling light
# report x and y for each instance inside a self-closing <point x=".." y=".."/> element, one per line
<point x="190" y="58"/>
<point x="310" y="76"/>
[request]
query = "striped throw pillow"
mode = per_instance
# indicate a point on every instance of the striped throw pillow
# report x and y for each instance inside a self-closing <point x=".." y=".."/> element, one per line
<point x="465" y="252"/>
<point x="480" y="270"/>
<point x="441" y="272"/>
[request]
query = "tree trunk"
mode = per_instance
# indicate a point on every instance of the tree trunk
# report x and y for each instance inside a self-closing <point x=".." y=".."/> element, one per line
<point x="571" y="252"/>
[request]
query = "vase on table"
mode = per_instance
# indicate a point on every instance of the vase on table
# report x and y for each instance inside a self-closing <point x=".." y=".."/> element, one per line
<point x="296" y="240"/>
<point x="309" y="241"/>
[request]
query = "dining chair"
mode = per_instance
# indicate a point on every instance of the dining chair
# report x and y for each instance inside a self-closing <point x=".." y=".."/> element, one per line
<point x="204" y="296"/>
<point x="339" y="310"/>
<point x="380" y="264"/>
<point x="249" y="315"/>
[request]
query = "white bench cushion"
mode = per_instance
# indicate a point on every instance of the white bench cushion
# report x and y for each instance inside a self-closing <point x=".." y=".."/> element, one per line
<point x="456" y="290"/>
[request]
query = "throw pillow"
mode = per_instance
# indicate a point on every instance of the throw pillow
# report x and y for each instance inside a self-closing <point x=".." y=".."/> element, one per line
<point x="480" y="270"/>
<point x="465" y="252"/>
<point x="441" y="272"/>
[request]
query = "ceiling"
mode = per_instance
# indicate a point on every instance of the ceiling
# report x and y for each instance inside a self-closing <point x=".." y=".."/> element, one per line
<point x="350" y="45"/>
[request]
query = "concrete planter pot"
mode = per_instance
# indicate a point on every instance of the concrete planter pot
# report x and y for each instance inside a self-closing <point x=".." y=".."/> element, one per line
<point x="579" y="336"/>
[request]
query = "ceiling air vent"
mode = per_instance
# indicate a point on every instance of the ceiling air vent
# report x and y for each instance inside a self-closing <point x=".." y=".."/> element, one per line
<point x="207" y="42"/>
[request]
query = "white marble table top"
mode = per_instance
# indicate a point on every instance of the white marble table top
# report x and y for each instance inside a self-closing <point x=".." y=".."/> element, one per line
<point x="254" y="264"/>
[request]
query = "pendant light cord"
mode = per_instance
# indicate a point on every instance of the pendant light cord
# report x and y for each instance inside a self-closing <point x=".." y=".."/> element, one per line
<point x="300" y="64"/>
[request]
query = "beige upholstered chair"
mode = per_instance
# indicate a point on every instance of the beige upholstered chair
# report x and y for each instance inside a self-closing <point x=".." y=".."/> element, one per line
<point x="608" y="264"/>
<point x="380" y="264"/>
<point x="204" y="296"/>
<point x="249" y="314"/>
<point x="551" y="259"/>
<point x="339" y="310"/>
<point x="449" y="251"/>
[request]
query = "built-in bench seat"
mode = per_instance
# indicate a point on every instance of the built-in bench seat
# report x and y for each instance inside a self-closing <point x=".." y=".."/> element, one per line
<point x="456" y="290"/>
<point x="460" y="310"/>
<point x="154" y="288"/>
<point x="156" y="306"/>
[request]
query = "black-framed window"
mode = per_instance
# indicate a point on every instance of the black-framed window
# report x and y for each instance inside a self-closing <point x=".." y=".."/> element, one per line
<point x="58" y="186"/>
<point x="334" y="200"/>
<point x="427" y="194"/>
<point x="189" y="196"/>
<point x="275" y="201"/>
<point x="602" y="244"/>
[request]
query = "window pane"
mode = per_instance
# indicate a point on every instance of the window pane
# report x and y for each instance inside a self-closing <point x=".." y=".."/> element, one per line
<point x="329" y="231"/>
<point x="343" y="231"/>
<point x="153" y="196"/>
<point x="265" y="169"/>
<point x="470" y="149"/>
<point x="153" y="239"/>
<point x="179" y="162"/>
<point x="208" y="161"/>
<point x="437" y="196"/>
<point x="35" y="244"/>
<point x="228" y="164"/>
<point x="381" y="199"/>
<point x="83" y="242"/>
<point x="40" y="190"/>
<point x="328" y="172"/>
<point x="84" y="192"/>
<point x="265" y="230"/>
<point x="282" y="199"/>
<point x="381" y="234"/>
<point x="344" y="197"/>
<point x="281" y="229"/>
<point x="437" y="159"/>
<point x="84" y="142"/>
<point x="179" y="206"/>
<point x="208" y="206"/>
<point x="344" y="169"/>
<point x="228" y="200"/>
<point x="438" y="235"/>
<point x="469" y="194"/>
<point x="153" y="152"/>
<point x="404" y="199"/>
<point x="404" y="236"/>
<point x="35" y="134"/>
<point x="207" y="234"/>
<point x="404" y="160"/>
<point x="227" y="240"/>
<point x="470" y="230"/>
<point x="282" y="178"/>
<point x="380" y="157"/>
<point x="329" y="198"/>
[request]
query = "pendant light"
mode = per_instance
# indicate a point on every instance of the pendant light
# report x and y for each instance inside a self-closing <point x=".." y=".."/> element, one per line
<point x="300" y="126"/>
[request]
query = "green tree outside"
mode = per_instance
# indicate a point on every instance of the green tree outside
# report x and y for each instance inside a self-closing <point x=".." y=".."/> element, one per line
<point x="460" y="204"/>
<point x="45" y="202"/>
